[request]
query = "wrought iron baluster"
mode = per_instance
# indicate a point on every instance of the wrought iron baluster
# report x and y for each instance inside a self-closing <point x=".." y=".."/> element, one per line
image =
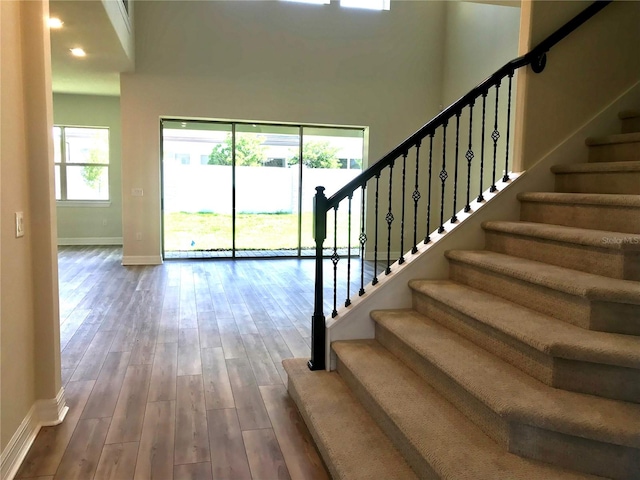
<point x="404" y="184"/>
<point x="416" y="197"/>
<point x="427" y="238"/>
<point x="454" y="217"/>
<point x="443" y="175"/>
<point x="389" y="219"/>
<point x="469" y="156"/>
<point x="335" y="258"/>
<point x="495" y="135"/>
<point x="347" y="302"/>
<point x="505" y="177"/>
<point x="484" y="109"/>
<point x="375" y="241"/>
<point x="363" y="240"/>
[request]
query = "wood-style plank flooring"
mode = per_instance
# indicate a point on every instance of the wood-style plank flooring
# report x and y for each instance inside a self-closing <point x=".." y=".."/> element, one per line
<point x="174" y="371"/>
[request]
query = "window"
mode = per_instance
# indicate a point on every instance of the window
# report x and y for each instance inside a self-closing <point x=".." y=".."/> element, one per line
<point x="368" y="4"/>
<point x="81" y="156"/>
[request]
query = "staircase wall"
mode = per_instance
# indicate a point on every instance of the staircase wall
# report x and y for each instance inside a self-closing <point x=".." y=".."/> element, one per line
<point x="585" y="72"/>
<point x="354" y="322"/>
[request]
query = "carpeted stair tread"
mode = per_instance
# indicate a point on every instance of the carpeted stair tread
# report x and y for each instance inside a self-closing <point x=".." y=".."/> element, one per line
<point x="560" y="233"/>
<point x="572" y="282"/>
<point x="352" y="445"/>
<point x="452" y="445"/>
<point x="506" y="390"/>
<point x="604" y="167"/>
<point x="613" y="139"/>
<point x="541" y="332"/>
<point x="601" y="199"/>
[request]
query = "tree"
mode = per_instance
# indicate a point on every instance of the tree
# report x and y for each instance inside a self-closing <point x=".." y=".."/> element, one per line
<point x="249" y="151"/>
<point x="91" y="173"/>
<point x="318" y="155"/>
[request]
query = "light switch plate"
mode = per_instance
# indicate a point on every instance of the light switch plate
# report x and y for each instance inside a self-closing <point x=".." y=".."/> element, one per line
<point x="19" y="224"/>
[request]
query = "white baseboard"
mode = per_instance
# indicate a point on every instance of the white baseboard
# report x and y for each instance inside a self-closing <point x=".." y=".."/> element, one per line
<point x="42" y="413"/>
<point x="90" y="241"/>
<point x="142" y="260"/>
<point x="52" y="412"/>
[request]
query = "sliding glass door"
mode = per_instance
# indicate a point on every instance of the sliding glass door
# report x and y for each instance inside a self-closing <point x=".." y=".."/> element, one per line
<point x="197" y="189"/>
<point x="237" y="189"/>
<point x="267" y="189"/>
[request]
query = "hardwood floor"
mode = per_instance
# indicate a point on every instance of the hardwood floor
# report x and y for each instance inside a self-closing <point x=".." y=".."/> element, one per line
<point x="174" y="371"/>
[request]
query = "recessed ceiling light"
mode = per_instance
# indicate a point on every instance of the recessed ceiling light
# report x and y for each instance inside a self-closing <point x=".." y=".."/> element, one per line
<point x="78" y="52"/>
<point x="55" y="22"/>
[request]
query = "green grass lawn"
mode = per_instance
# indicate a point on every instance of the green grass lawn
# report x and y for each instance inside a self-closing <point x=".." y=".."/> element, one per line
<point x="211" y="231"/>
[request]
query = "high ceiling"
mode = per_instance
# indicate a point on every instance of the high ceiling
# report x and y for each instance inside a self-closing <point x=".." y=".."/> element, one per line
<point x="87" y="25"/>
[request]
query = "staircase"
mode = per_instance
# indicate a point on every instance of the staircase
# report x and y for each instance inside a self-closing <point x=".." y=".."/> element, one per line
<point x="524" y="364"/>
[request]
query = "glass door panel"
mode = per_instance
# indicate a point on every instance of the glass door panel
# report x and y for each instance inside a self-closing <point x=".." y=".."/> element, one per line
<point x="331" y="157"/>
<point x="267" y="180"/>
<point x="197" y="189"/>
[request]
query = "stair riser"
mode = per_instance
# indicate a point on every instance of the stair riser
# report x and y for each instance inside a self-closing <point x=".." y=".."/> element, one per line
<point x="615" y="152"/>
<point x="596" y="217"/>
<point x="630" y="125"/>
<point x="625" y="183"/>
<point x="596" y="379"/>
<point x="419" y="464"/>
<point x="487" y="420"/>
<point x="509" y="434"/>
<point x="601" y="316"/>
<point x="527" y="359"/>
<point x="624" y="265"/>
<point x="609" y="381"/>
<point x="580" y="454"/>
<point x="322" y="448"/>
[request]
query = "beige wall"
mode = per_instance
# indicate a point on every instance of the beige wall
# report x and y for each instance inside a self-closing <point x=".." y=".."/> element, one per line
<point x="271" y="61"/>
<point x="30" y="368"/>
<point x="584" y="73"/>
<point x="78" y="225"/>
<point x="479" y="39"/>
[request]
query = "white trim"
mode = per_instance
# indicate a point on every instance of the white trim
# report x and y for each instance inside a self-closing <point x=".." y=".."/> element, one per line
<point x="83" y="203"/>
<point x="142" y="260"/>
<point x="90" y="241"/>
<point x="42" y="413"/>
<point x="52" y="411"/>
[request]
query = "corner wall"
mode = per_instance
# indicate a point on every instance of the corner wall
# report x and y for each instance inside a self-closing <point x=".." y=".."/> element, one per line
<point x="30" y="390"/>
<point x="271" y="61"/>
<point x="84" y="225"/>
<point x="584" y="73"/>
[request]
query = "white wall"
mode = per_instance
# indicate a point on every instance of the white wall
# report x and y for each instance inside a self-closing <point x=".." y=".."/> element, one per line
<point x="271" y="61"/>
<point x="79" y="225"/>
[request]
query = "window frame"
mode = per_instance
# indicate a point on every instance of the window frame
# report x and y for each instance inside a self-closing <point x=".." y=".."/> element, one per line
<point x="63" y="164"/>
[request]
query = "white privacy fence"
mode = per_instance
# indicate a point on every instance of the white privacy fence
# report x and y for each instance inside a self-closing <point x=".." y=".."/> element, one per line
<point x="208" y="188"/>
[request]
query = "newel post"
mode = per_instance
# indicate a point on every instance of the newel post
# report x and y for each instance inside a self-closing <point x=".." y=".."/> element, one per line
<point x="318" y="334"/>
